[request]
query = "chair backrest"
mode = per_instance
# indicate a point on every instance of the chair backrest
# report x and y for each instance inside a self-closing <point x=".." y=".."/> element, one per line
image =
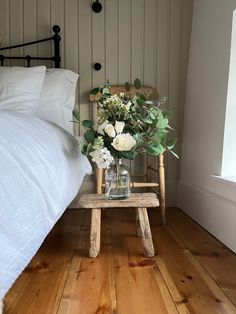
<point x="117" y="89"/>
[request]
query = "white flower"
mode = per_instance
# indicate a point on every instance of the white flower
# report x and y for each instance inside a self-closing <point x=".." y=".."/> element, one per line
<point x="102" y="157"/>
<point x="123" y="142"/>
<point x="127" y="106"/>
<point x="109" y="129"/>
<point x="98" y="143"/>
<point x="119" y="126"/>
<point x="101" y="127"/>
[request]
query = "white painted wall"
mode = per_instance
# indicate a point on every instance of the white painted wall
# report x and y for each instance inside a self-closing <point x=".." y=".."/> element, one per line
<point x="148" y="39"/>
<point x="210" y="201"/>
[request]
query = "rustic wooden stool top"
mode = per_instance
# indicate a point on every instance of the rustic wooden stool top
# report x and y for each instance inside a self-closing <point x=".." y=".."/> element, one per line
<point x="139" y="201"/>
<point x="134" y="201"/>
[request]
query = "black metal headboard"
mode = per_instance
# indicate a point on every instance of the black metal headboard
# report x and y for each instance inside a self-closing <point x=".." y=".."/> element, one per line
<point x="56" y="58"/>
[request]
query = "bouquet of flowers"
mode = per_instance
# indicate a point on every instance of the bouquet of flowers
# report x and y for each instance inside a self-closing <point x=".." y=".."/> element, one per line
<point x="125" y="127"/>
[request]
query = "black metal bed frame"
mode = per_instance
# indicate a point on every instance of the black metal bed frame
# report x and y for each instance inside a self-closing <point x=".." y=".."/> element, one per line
<point x="56" y="58"/>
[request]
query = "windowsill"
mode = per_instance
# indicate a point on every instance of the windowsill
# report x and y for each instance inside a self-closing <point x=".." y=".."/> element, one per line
<point x="228" y="180"/>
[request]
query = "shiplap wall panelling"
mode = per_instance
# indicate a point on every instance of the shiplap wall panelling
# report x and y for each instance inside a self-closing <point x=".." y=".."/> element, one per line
<point x="124" y="40"/>
<point x="174" y="78"/>
<point x="98" y="47"/>
<point x="44" y="28"/>
<point x="30" y="27"/>
<point x="16" y="27"/>
<point x="71" y="46"/>
<point x="85" y="58"/>
<point x="111" y="41"/>
<point x="4" y="22"/>
<point x="59" y="8"/>
<point x="136" y="58"/>
<point x="186" y="35"/>
<point x="150" y="43"/>
<point x="162" y="53"/>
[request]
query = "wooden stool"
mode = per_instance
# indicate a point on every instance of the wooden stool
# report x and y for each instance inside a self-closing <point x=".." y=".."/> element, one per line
<point x="139" y="201"/>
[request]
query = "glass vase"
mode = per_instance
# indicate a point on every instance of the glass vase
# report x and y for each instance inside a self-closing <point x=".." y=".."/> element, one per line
<point x="117" y="181"/>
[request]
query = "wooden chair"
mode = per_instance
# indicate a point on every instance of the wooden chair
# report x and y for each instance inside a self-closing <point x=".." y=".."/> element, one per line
<point x="154" y="164"/>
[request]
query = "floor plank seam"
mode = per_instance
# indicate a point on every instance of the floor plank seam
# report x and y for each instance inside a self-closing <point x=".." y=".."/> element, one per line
<point x="113" y="265"/>
<point x="71" y="260"/>
<point x="197" y="261"/>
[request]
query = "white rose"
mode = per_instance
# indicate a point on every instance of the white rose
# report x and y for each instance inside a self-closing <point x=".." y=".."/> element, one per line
<point x="123" y="142"/>
<point x="109" y="129"/>
<point x="119" y="126"/>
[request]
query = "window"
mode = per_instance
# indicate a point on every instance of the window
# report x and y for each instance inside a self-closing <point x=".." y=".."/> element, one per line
<point x="229" y="148"/>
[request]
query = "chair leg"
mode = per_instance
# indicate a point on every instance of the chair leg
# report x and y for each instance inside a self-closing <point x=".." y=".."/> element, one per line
<point x="95" y="232"/>
<point x="99" y="176"/>
<point x="139" y="232"/>
<point x="146" y="232"/>
<point x="162" y="189"/>
<point x="149" y="171"/>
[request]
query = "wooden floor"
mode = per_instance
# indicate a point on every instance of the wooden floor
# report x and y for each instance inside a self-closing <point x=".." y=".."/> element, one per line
<point x="192" y="272"/>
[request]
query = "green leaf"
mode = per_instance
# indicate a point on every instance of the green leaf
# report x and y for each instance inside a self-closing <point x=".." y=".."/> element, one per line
<point x="162" y="123"/>
<point x="155" y="150"/>
<point x="155" y="139"/>
<point x="151" y="115"/>
<point x="170" y="143"/>
<point x="167" y="114"/>
<point x="89" y="136"/>
<point x="137" y="83"/>
<point x="149" y="102"/>
<point x="76" y="115"/>
<point x="148" y="121"/>
<point x="87" y="124"/>
<point x="106" y="91"/>
<point x="140" y="102"/>
<point x="129" y="155"/>
<point x="95" y="91"/>
<point x="173" y="153"/>
<point x="84" y="149"/>
<point x="127" y="86"/>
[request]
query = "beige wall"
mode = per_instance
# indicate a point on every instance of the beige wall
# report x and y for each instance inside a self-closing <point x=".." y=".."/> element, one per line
<point x="148" y="39"/>
<point x="210" y="201"/>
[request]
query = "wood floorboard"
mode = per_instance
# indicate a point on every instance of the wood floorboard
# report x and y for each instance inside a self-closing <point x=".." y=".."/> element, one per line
<point x="219" y="261"/>
<point x="192" y="272"/>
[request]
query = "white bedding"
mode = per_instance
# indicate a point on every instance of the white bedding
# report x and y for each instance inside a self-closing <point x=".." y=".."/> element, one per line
<point x="41" y="170"/>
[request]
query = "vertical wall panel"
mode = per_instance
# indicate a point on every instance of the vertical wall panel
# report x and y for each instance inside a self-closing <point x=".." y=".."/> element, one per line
<point x="16" y="27"/>
<point x="98" y="46"/>
<point x="137" y="41"/>
<point x="148" y="39"/>
<point x="58" y="18"/>
<point x="44" y="27"/>
<point x="111" y="42"/>
<point x="30" y="27"/>
<point x="4" y="22"/>
<point x="174" y="76"/>
<point x="124" y="40"/>
<point x="71" y="47"/>
<point x="150" y="42"/>
<point x="85" y="58"/>
<point x="163" y="46"/>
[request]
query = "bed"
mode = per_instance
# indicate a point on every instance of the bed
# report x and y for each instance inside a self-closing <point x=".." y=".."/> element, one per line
<point x="41" y="166"/>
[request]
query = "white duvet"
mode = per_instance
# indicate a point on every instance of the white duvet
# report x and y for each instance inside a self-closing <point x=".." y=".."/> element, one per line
<point x="41" y="170"/>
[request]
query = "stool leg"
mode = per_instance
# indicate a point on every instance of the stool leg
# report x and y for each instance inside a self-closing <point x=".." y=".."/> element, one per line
<point x="146" y="232"/>
<point x="139" y="232"/>
<point x="95" y="232"/>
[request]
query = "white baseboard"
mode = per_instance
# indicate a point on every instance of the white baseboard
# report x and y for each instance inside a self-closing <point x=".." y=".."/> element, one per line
<point x="214" y="212"/>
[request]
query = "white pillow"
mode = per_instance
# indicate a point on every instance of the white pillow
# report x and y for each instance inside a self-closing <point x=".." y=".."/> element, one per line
<point x="20" y="88"/>
<point x="57" y="99"/>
